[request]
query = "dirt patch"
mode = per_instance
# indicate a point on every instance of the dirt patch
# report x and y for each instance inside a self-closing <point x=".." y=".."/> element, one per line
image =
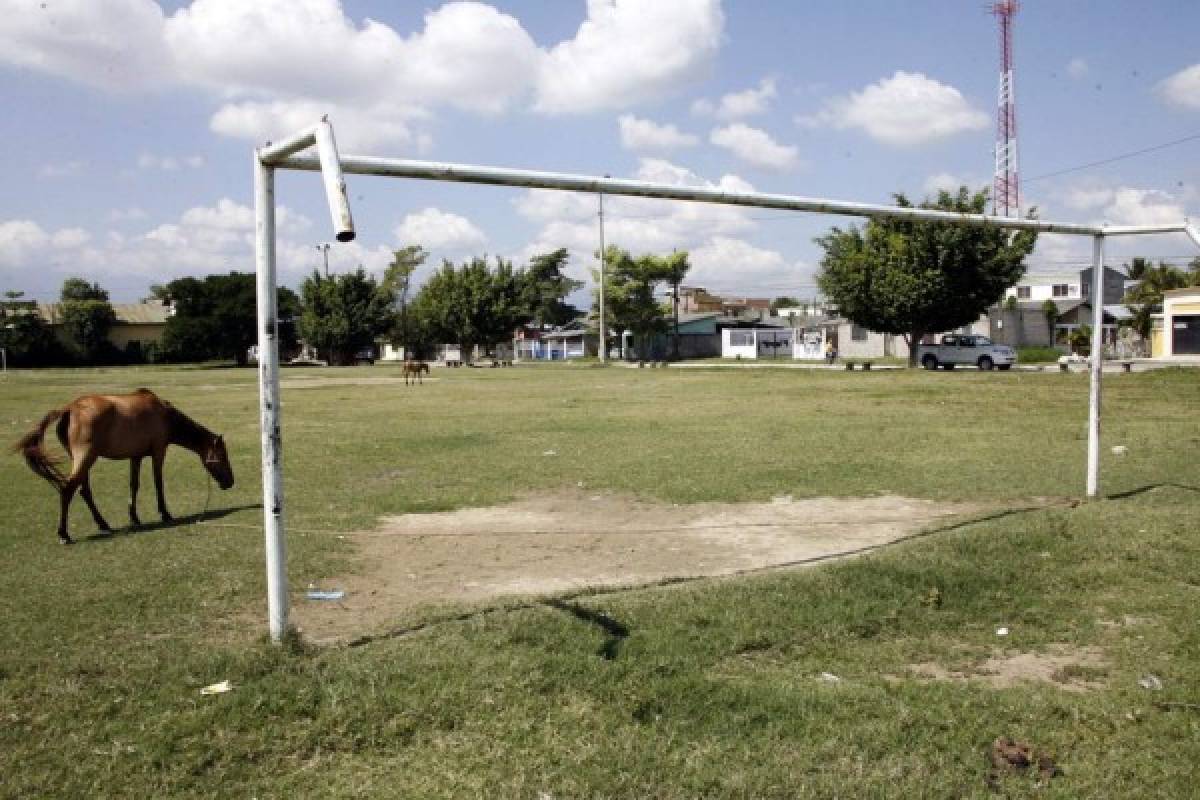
<point x="1073" y="669"/>
<point x="554" y="543"/>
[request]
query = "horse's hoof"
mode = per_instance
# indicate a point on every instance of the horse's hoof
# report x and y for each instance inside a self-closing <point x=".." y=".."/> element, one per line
<point x="65" y="540"/>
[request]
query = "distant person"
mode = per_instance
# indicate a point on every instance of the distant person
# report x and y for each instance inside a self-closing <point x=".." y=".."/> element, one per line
<point x="830" y="353"/>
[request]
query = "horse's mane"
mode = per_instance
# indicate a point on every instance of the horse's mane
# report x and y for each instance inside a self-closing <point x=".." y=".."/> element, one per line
<point x="186" y="429"/>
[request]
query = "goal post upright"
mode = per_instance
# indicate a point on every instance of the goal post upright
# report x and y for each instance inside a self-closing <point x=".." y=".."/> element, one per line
<point x="267" y="322"/>
<point x="286" y="154"/>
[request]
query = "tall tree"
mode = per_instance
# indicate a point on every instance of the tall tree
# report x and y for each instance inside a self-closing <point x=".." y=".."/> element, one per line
<point x="216" y="317"/>
<point x="408" y="329"/>
<point x="342" y="314"/>
<point x="913" y="277"/>
<point x="87" y="317"/>
<point x="673" y="269"/>
<point x="545" y="288"/>
<point x="472" y="304"/>
<point x="629" y="290"/>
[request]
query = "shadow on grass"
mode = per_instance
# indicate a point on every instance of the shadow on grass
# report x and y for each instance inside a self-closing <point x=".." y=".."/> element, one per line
<point x="615" y="630"/>
<point x="1150" y="487"/>
<point x="176" y="522"/>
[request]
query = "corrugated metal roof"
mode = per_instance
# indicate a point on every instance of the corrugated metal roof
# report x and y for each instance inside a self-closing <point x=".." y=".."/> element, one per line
<point x="127" y="313"/>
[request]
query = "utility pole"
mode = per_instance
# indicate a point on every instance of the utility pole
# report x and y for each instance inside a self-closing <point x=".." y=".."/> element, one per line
<point x="603" y="328"/>
<point x="324" y="248"/>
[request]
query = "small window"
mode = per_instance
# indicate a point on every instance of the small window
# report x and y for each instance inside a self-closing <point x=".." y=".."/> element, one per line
<point x="858" y="333"/>
<point x="741" y="338"/>
<point x="1061" y="290"/>
<point x="1022" y="292"/>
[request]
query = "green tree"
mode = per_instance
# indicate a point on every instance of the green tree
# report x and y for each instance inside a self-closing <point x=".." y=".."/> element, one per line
<point x="79" y="290"/>
<point x="408" y="329"/>
<point x="673" y="269"/>
<point x="1050" y="310"/>
<point x="1145" y="299"/>
<point x="87" y="317"/>
<point x="914" y="277"/>
<point x="472" y="304"/>
<point x="629" y="289"/>
<point x="216" y="317"/>
<point x="545" y="288"/>
<point x="342" y="314"/>
<point x="26" y="338"/>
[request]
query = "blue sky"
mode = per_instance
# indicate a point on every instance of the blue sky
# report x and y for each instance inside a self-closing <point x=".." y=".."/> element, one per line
<point x="130" y="124"/>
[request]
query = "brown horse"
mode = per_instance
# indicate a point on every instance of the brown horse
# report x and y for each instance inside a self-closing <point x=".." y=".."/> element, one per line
<point x="415" y="368"/>
<point x="119" y="426"/>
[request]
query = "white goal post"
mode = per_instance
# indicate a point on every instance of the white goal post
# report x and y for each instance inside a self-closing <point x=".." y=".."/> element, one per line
<point x="286" y="155"/>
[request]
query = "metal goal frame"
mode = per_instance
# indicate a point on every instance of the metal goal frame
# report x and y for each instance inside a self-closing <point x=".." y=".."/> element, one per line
<point x="286" y="154"/>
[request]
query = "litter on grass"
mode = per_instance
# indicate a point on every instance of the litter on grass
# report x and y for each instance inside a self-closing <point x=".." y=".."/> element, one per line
<point x="1151" y="682"/>
<point x="217" y="688"/>
<point x="323" y="594"/>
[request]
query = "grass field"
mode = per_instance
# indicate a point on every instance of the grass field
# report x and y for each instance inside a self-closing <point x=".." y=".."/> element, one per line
<point x="710" y="688"/>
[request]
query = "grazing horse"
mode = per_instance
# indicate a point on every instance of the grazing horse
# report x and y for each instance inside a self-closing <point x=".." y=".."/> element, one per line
<point x="415" y="368"/>
<point x="119" y="426"/>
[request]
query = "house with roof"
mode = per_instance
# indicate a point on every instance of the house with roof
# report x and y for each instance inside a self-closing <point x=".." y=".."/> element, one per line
<point x="138" y="325"/>
<point x="1022" y="319"/>
<point x="1176" y="331"/>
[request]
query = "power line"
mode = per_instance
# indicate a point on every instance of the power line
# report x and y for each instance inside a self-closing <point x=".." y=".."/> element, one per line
<point x="1111" y="159"/>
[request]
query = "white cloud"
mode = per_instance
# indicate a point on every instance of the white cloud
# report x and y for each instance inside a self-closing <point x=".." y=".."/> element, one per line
<point x="755" y="147"/>
<point x="643" y="134"/>
<point x="131" y="214"/>
<point x="725" y="262"/>
<point x="1183" y="88"/>
<point x="168" y="163"/>
<point x="943" y="182"/>
<point x="903" y="110"/>
<point x="1077" y="68"/>
<point x="1082" y="199"/>
<point x="438" y="230"/>
<point x="65" y="169"/>
<point x="739" y="104"/>
<point x="639" y="225"/>
<point x="359" y="129"/>
<point x="627" y="52"/>
<point x="24" y="243"/>
<point x="1130" y="206"/>
<point x="113" y="44"/>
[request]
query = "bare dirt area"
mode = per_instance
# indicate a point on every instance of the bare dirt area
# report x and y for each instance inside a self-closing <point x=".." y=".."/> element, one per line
<point x="554" y="543"/>
<point x="1073" y="669"/>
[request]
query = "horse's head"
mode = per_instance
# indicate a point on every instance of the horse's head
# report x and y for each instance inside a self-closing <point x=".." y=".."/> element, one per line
<point x="216" y="461"/>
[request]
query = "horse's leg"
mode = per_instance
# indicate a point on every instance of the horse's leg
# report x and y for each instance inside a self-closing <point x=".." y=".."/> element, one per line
<point x="156" y="461"/>
<point x="135" y="472"/>
<point x="79" y="468"/>
<point x="86" y="492"/>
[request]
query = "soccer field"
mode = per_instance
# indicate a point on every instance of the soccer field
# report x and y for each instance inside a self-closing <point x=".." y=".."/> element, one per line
<point x="709" y="687"/>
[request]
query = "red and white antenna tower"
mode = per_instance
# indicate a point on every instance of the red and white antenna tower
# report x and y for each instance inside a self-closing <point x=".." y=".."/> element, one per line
<point x="1005" y="198"/>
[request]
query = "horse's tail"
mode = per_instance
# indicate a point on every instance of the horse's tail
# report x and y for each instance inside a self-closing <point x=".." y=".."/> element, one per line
<point x="30" y="446"/>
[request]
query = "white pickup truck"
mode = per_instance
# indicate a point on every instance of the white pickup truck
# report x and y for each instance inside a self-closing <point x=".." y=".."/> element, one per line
<point x="956" y="349"/>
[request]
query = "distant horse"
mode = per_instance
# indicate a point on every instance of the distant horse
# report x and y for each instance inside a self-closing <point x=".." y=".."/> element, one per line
<point x="415" y="368"/>
<point x="119" y="426"/>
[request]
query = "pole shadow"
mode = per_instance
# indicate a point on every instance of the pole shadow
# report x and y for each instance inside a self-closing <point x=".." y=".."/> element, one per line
<point x="176" y="522"/>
